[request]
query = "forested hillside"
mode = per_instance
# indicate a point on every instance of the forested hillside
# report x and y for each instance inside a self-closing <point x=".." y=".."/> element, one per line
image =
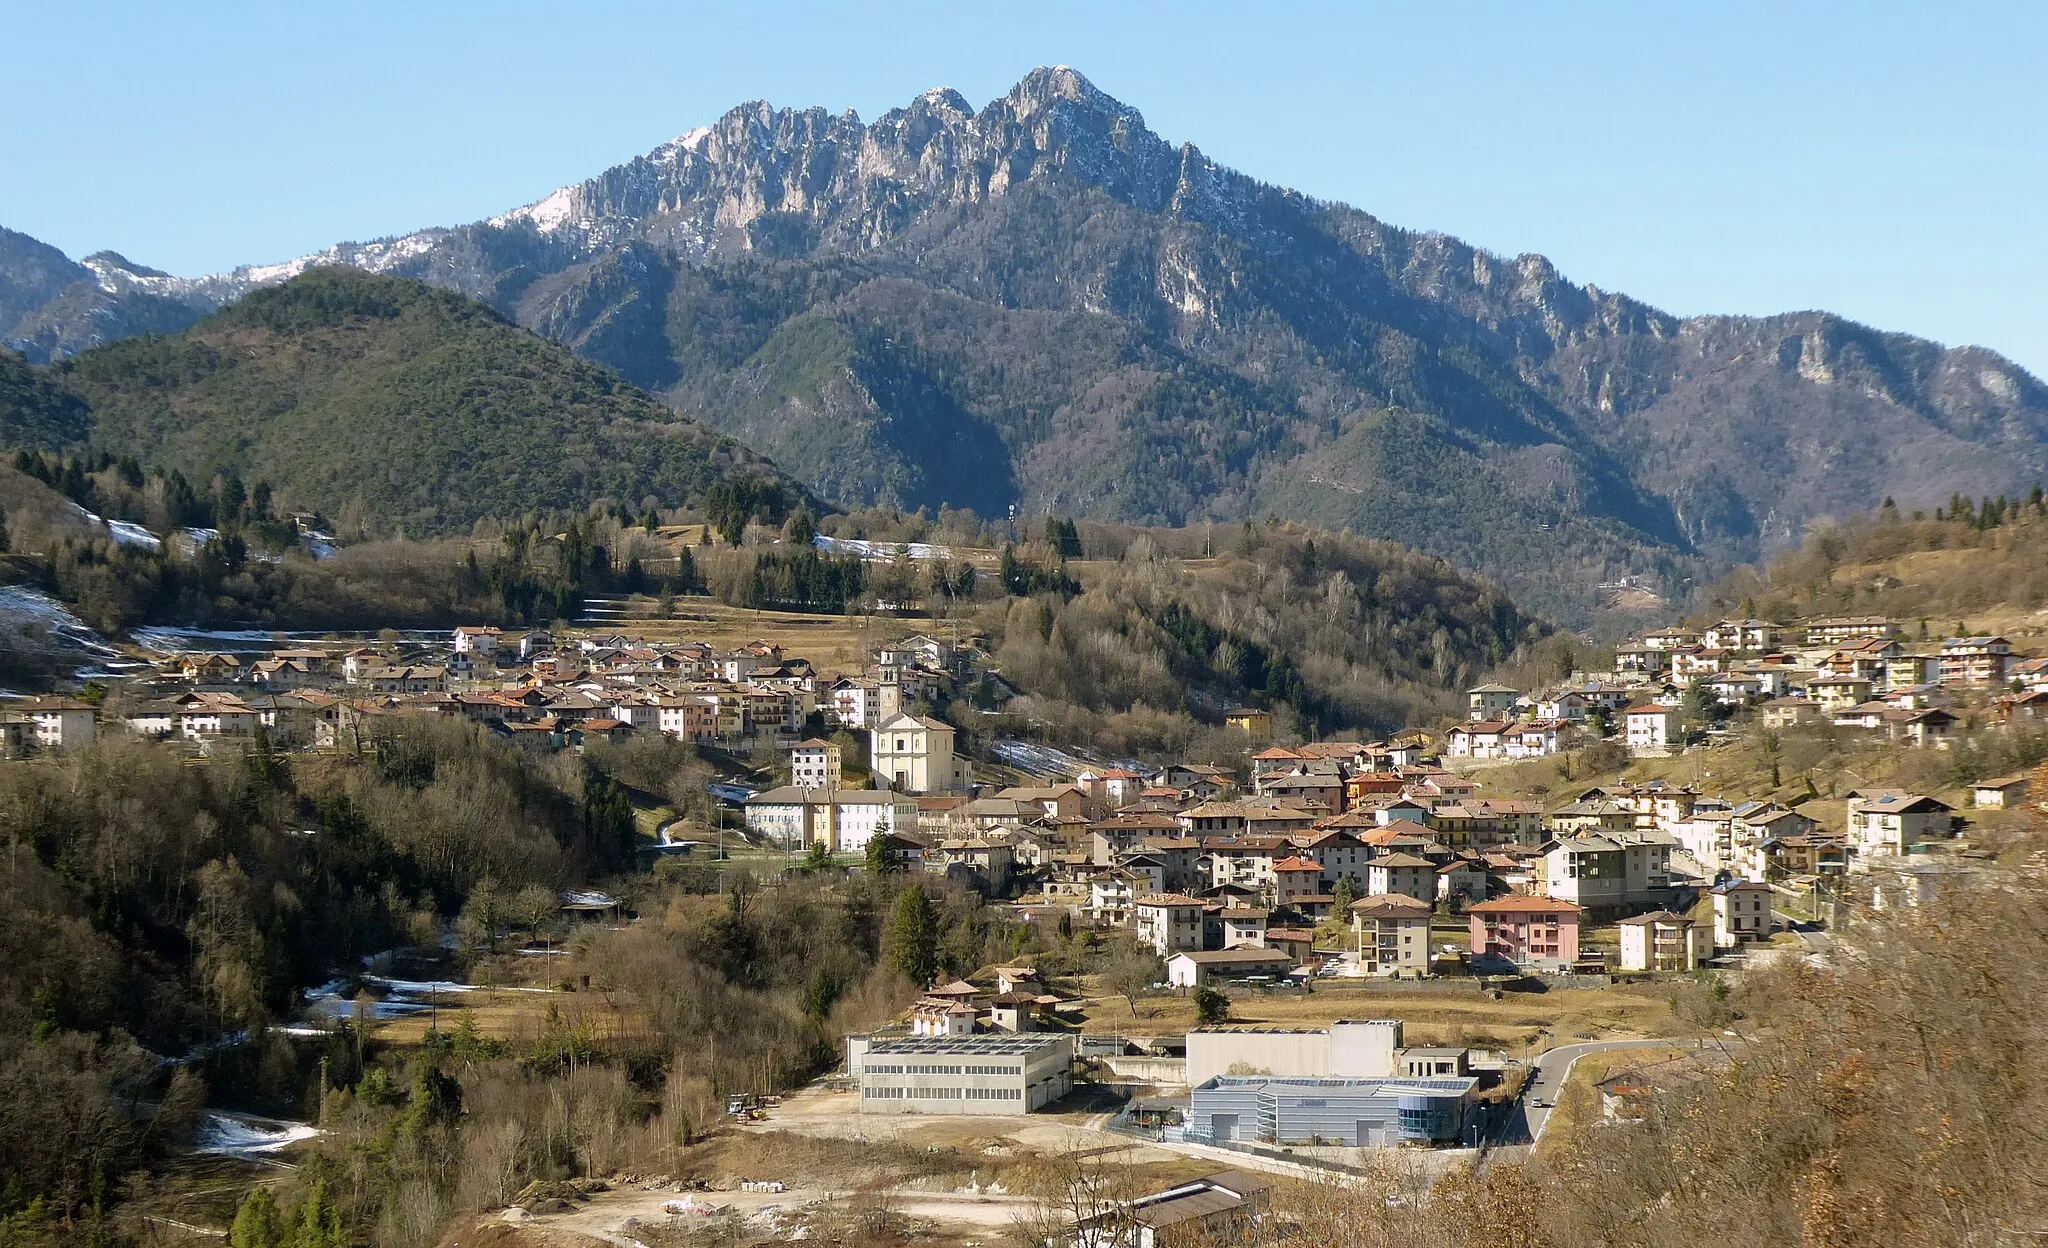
<point x="1984" y="559"/>
<point x="387" y="404"/>
<point x="1338" y="634"/>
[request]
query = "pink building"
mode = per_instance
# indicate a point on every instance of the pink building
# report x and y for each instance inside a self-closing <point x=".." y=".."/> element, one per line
<point x="1527" y="931"/>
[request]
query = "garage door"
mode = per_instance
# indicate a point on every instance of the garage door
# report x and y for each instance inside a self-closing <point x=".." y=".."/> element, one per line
<point x="1223" y="1126"/>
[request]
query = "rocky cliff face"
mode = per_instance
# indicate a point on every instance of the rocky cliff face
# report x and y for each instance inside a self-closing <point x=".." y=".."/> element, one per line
<point x="1042" y="304"/>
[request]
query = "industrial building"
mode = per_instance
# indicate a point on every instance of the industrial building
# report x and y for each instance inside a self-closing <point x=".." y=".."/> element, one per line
<point x="1360" y="1113"/>
<point x="1343" y="1050"/>
<point x="984" y="1074"/>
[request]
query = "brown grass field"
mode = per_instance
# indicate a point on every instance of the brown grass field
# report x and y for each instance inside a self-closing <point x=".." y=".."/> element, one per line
<point x="1429" y="1015"/>
<point x="830" y="642"/>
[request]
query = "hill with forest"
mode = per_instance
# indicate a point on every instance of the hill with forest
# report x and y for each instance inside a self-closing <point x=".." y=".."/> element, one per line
<point x="385" y="403"/>
<point x="1161" y="630"/>
<point x="1975" y="564"/>
<point x="1043" y="304"/>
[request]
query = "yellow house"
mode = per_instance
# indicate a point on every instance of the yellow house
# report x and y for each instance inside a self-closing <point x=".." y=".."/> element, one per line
<point x="1258" y="725"/>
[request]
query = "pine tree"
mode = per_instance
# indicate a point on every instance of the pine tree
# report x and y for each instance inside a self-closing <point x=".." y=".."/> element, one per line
<point x="822" y="993"/>
<point x="912" y="944"/>
<point x="256" y="1223"/>
<point x="881" y="855"/>
<point x="319" y="1222"/>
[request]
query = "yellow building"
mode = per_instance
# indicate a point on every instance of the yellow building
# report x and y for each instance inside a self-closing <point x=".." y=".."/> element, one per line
<point x="1258" y="725"/>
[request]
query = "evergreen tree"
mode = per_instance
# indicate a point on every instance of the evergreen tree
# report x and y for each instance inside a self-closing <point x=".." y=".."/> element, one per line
<point x="912" y="943"/>
<point x="319" y="1222"/>
<point x="881" y="855"/>
<point x="822" y="993"/>
<point x="257" y="1224"/>
<point x="609" y="830"/>
<point x="1342" y="896"/>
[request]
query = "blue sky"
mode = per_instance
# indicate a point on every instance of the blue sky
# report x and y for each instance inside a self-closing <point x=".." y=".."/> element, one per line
<point x="1883" y="161"/>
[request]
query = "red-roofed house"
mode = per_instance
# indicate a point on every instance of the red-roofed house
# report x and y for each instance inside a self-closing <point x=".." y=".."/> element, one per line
<point x="1296" y="877"/>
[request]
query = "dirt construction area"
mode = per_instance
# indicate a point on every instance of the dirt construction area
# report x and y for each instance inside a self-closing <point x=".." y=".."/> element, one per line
<point x="823" y="1114"/>
<point x="817" y="1168"/>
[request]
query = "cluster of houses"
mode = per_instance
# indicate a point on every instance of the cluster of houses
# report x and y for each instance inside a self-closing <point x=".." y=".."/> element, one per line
<point x="1246" y="877"/>
<point x="1854" y="672"/>
<point x="560" y="691"/>
<point x="1238" y="877"/>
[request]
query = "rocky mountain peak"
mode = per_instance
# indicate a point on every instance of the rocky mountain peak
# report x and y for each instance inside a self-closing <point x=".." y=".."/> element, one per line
<point x="1045" y="88"/>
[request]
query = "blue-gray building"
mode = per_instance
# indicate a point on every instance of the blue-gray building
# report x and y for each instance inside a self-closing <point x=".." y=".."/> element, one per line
<point x="1350" y="1112"/>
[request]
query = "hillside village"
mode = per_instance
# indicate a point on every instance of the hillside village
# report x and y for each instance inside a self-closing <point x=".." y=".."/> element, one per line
<point x="1296" y="918"/>
<point x="1326" y="858"/>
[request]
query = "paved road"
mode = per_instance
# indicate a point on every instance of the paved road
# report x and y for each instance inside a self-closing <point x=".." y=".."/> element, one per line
<point x="1525" y="1128"/>
<point x="1815" y="941"/>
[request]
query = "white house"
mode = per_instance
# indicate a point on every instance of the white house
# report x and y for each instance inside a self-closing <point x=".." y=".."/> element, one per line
<point x="814" y="764"/>
<point x="1539" y="739"/>
<point x="55" y="723"/>
<point x="1478" y="739"/>
<point x="1893" y="823"/>
<point x="480" y="641"/>
<point x="1742" y="912"/>
<point x="1403" y="875"/>
<point x="1652" y="730"/>
<point x="1663" y="941"/>
<point x="2000" y="793"/>
<point x="1168" y="922"/>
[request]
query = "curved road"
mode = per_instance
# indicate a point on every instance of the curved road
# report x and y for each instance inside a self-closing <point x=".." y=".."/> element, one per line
<point x="1524" y="1129"/>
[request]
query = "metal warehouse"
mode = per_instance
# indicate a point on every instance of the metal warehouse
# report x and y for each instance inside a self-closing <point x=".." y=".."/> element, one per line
<point x="1351" y="1112"/>
<point x="990" y="1074"/>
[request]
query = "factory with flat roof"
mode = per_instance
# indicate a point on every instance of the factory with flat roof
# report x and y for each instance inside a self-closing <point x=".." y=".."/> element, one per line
<point x="1361" y="1113"/>
<point x="970" y="1074"/>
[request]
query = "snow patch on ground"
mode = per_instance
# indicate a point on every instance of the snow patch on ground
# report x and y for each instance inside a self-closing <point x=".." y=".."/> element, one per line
<point x="23" y="606"/>
<point x="125" y="533"/>
<point x="224" y="1134"/>
<point x="163" y="639"/>
<point x="880" y="552"/>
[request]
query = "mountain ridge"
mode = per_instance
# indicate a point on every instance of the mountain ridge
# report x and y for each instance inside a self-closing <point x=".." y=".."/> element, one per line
<point x="858" y="301"/>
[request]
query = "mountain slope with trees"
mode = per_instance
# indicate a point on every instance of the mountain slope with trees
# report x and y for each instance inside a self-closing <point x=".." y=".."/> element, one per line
<point x="391" y="404"/>
<point x="1042" y="304"/>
